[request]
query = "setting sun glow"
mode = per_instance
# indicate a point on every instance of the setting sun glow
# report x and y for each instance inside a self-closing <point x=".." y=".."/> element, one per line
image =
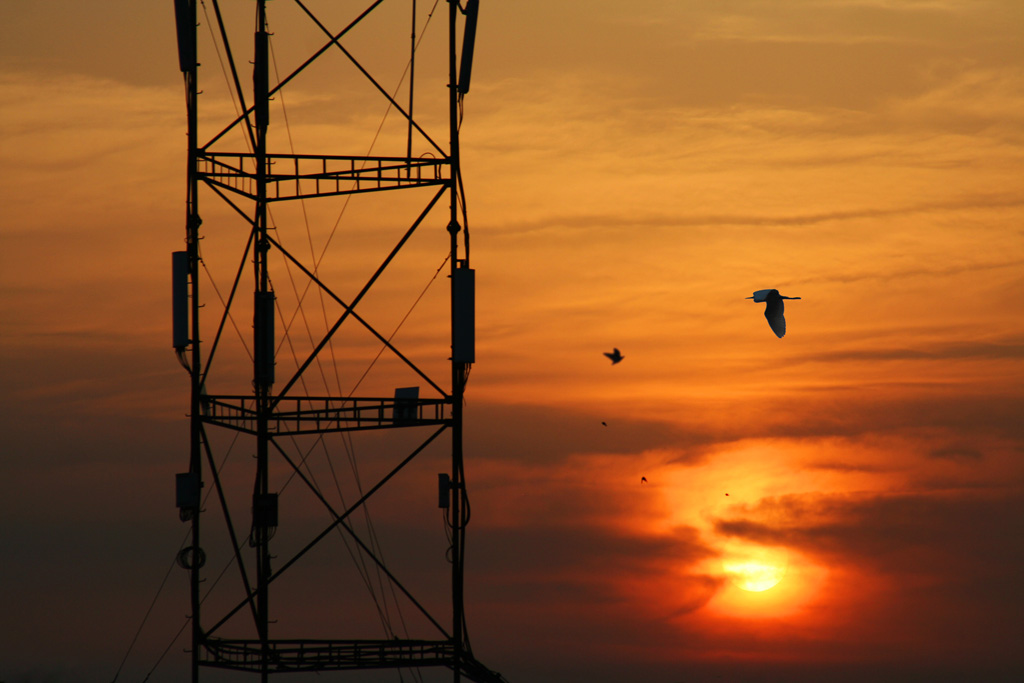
<point x="754" y="576"/>
<point x="755" y="569"/>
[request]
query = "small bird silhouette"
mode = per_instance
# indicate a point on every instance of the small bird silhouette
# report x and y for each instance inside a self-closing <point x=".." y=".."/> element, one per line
<point x="727" y="494"/>
<point x="615" y="356"/>
<point x="604" y="423"/>
<point x="773" y="312"/>
<point x="643" y="480"/>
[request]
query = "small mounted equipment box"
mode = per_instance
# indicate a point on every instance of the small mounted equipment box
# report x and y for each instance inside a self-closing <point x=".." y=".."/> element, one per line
<point x="179" y="298"/>
<point x="464" y="314"/>
<point x="187" y="490"/>
<point x="406" y="402"/>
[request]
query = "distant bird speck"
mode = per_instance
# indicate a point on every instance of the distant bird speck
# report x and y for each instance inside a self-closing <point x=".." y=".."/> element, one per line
<point x="727" y="494"/>
<point x="604" y="423"/>
<point x="773" y="311"/>
<point x="643" y="480"/>
<point x="615" y="356"/>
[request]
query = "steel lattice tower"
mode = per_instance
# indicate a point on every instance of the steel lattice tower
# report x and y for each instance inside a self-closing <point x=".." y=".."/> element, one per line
<point x="272" y="410"/>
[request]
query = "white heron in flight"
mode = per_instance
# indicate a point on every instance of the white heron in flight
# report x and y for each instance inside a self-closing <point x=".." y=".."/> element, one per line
<point x="774" y="310"/>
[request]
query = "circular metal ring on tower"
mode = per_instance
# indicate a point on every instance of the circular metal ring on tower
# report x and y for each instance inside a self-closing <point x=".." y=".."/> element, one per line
<point x="191" y="558"/>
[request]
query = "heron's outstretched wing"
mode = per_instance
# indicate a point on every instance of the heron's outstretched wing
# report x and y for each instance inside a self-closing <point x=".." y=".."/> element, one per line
<point x="774" y="314"/>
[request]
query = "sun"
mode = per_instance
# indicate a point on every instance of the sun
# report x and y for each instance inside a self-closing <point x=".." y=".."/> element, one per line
<point x="754" y="576"/>
<point x="755" y="568"/>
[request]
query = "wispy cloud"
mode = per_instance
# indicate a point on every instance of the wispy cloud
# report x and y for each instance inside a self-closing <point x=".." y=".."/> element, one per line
<point x="887" y="532"/>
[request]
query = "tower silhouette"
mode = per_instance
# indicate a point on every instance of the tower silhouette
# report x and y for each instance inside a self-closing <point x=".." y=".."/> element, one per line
<point x="279" y="393"/>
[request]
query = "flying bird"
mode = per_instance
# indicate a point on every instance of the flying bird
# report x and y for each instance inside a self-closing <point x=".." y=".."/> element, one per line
<point x="643" y="480"/>
<point x="615" y="356"/>
<point x="774" y="310"/>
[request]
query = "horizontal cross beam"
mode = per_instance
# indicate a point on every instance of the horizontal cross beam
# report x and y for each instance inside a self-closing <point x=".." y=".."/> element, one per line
<point x="300" y="176"/>
<point x="325" y="655"/>
<point x="339" y="655"/>
<point x="318" y="415"/>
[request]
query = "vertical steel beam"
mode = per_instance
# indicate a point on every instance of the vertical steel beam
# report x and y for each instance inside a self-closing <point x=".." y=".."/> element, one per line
<point x="412" y="83"/>
<point x="458" y="368"/>
<point x="187" y="22"/>
<point x="263" y="343"/>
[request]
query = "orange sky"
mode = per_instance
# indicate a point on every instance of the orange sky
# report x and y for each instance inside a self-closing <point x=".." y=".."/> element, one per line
<point x="632" y="173"/>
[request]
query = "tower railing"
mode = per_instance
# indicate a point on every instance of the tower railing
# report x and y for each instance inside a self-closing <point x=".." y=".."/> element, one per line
<point x="304" y="176"/>
<point x="313" y="414"/>
<point x="337" y="655"/>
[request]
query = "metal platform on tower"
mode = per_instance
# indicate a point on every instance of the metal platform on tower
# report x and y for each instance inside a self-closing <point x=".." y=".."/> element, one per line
<point x="322" y="414"/>
<point x="339" y="655"/>
<point x="296" y="176"/>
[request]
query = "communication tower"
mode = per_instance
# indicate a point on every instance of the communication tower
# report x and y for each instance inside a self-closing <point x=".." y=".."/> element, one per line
<point x="280" y="389"/>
